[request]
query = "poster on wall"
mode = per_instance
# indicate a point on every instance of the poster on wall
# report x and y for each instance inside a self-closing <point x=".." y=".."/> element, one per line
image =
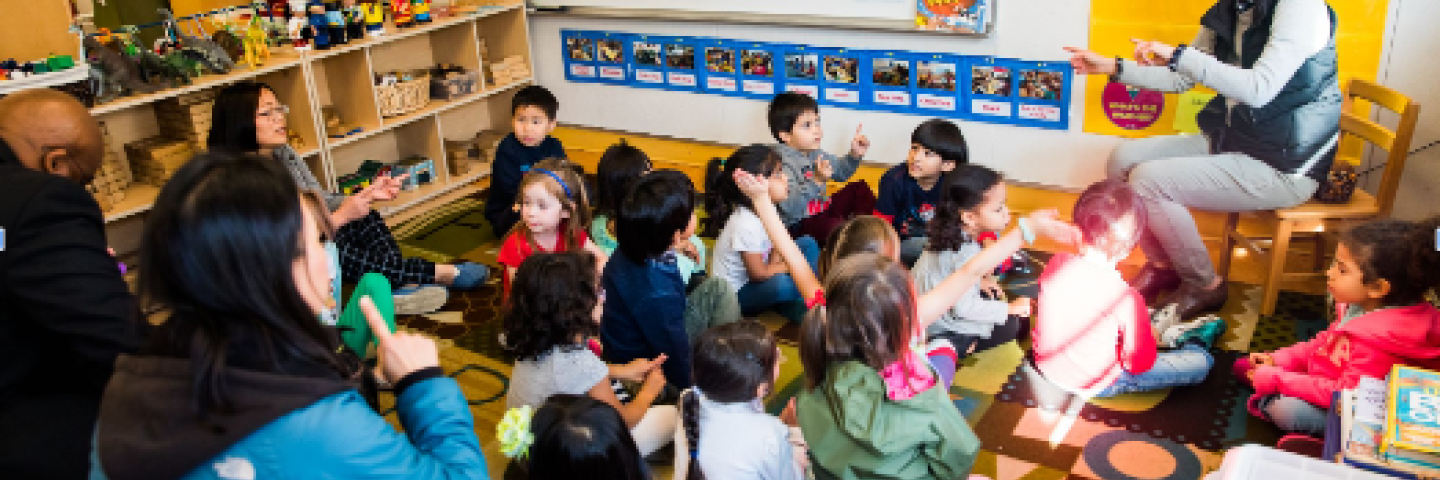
<point x="579" y="56"/>
<point x="611" y="65"/>
<point x="801" y="70"/>
<point x="957" y="16"/>
<point x="1043" y="94"/>
<point x="758" y="76"/>
<point x="992" y="83"/>
<point x="647" y="61"/>
<point x="840" y="77"/>
<point x="718" y="74"/>
<point x="935" y="84"/>
<point x="891" y="75"/>
<point x="681" y="63"/>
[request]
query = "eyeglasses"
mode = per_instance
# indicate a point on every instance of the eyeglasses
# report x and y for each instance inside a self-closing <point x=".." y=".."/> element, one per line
<point x="278" y="112"/>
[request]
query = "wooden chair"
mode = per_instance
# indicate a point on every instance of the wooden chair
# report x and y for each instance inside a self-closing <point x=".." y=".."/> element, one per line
<point x="1363" y="205"/>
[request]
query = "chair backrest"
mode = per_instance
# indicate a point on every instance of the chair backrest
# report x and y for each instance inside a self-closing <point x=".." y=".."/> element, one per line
<point x="1395" y="143"/>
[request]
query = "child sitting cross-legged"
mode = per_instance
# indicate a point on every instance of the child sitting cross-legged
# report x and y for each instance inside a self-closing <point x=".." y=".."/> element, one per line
<point x="556" y="307"/>
<point x="620" y="166"/>
<point x="1379" y="280"/>
<point x="532" y="118"/>
<point x="810" y="210"/>
<point x="1092" y="334"/>
<point x="553" y="216"/>
<point x="910" y="193"/>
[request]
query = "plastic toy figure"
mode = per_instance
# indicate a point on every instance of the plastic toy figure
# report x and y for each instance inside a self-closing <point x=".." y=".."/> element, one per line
<point x="299" y="29"/>
<point x="400" y="12"/>
<point x="421" y="10"/>
<point x="354" y="20"/>
<point x="335" y="23"/>
<point x="318" y="27"/>
<point x="374" y="18"/>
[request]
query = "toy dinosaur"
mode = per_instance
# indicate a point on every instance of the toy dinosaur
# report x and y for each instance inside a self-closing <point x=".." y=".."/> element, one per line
<point x="117" y="72"/>
<point x="211" y="54"/>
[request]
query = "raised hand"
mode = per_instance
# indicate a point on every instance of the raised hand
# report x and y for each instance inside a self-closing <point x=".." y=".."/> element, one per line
<point x="400" y="353"/>
<point x="860" y="144"/>
<point x="386" y="187"/>
<point x="757" y="188"/>
<point x="1086" y="62"/>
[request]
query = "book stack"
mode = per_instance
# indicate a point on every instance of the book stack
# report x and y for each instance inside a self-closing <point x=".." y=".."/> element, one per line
<point x="1389" y="426"/>
<point x="186" y="117"/>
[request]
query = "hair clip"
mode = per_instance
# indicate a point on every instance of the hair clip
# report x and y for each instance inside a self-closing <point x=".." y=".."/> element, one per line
<point x="557" y="179"/>
<point x="816" y="301"/>
<point x="514" y="432"/>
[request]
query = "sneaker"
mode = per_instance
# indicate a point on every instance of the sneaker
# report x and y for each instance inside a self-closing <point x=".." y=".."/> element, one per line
<point x="472" y="275"/>
<point x="1206" y="329"/>
<point x="419" y="300"/>
<point x="1163" y="318"/>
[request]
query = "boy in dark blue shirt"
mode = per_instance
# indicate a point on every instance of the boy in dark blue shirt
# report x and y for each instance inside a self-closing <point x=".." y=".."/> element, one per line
<point x="908" y="192"/>
<point x="532" y="116"/>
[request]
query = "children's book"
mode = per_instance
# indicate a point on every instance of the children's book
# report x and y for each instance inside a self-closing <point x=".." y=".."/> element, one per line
<point x="1412" y="424"/>
<point x="959" y="16"/>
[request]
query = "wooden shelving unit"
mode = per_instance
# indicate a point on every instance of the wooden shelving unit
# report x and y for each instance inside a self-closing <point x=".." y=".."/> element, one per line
<point x="342" y="78"/>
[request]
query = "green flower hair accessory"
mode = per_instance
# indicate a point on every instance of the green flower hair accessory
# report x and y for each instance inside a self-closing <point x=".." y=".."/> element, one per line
<point x="514" y="432"/>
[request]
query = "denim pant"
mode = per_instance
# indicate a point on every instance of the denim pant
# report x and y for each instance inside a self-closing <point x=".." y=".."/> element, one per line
<point x="1175" y="173"/>
<point x="1294" y="415"/>
<point x="779" y="292"/>
<point x="911" y="248"/>
<point x="1187" y="365"/>
<point x="711" y="304"/>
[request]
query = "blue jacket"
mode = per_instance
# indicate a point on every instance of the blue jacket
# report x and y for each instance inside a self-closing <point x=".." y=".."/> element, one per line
<point x="512" y="160"/>
<point x="645" y="314"/>
<point x="147" y="430"/>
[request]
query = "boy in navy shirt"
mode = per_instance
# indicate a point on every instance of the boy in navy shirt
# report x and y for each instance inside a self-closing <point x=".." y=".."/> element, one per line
<point x="908" y="192"/>
<point x="532" y="116"/>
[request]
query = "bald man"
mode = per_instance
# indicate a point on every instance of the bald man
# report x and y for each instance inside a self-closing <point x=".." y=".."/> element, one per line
<point x="65" y="312"/>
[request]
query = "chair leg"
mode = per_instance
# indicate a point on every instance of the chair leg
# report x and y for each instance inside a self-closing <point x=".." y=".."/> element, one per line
<point x="1227" y="244"/>
<point x="1278" y="250"/>
<point x="1318" y="254"/>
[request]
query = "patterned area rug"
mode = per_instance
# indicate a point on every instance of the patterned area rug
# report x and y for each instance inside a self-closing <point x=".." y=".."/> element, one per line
<point x="1027" y="430"/>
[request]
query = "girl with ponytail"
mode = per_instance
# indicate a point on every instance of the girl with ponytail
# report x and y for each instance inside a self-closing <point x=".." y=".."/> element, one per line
<point x="1380" y="279"/>
<point x="724" y="431"/>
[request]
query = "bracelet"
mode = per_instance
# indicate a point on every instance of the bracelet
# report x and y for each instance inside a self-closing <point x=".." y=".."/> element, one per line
<point x="1175" y="57"/>
<point x="1025" y="233"/>
<point x="1119" y="69"/>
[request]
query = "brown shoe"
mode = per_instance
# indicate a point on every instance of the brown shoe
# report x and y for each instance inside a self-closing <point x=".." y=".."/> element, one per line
<point x="1192" y="301"/>
<point x="1152" y="281"/>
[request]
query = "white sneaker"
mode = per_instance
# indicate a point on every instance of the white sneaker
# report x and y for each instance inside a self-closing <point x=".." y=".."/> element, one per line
<point x="1177" y="333"/>
<point x="420" y="300"/>
<point x="1162" y="319"/>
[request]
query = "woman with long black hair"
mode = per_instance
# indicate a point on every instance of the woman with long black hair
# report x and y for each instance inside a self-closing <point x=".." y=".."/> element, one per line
<point x="241" y="380"/>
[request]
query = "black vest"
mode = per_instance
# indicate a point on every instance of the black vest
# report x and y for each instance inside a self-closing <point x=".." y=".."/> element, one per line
<point x="1302" y="119"/>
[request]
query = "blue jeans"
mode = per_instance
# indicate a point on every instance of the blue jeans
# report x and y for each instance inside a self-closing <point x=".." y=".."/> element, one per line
<point x="779" y="292"/>
<point x="1187" y="365"/>
<point x="1294" y="415"/>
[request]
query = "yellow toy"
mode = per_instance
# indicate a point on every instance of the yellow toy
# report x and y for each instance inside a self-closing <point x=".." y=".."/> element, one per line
<point x="257" y="44"/>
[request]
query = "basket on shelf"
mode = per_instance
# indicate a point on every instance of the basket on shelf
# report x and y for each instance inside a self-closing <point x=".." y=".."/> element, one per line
<point x="403" y="96"/>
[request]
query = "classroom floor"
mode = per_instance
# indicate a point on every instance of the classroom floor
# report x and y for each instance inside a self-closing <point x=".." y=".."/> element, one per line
<point x="1028" y="429"/>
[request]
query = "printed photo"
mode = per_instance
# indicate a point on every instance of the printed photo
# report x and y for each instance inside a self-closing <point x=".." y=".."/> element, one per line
<point x="612" y="51"/>
<point x="842" y="69"/>
<point x="580" y="49"/>
<point x="935" y="76"/>
<point x="1042" y="85"/>
<point x="891" y="72"/>
<point x="985" y="80"/>
<point x="757" y="62"/>
<point x="680" y="56"/>
<point x="720" y="60"/>
<point x="647" y="54"/>
<point x="802" y="66"/>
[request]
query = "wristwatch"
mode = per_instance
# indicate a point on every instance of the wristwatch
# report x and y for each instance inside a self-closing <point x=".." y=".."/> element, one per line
<point x="1175" y="57"/>
<point x="1119" y="69"/>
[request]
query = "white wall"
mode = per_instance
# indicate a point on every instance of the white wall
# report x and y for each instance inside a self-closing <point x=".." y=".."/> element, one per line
<point x="1408" y="66"/>
<point x="1069" y="159"/>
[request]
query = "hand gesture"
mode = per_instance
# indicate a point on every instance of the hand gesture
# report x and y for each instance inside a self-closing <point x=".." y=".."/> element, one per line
<point x="638" y="369"/>
<point x="860" y="144"/>
<point x="823" y="171"/>
<point x="400" y="353"/>
<point x="989" y="286"/>
<point x="1151" y="53"/>
<point x="1086" y="62"/>
<point x="788" y="416"/>
<point x="386" y="187"/>
<point x="687" y="248"/>
<point x="1021" y="306"/>
<point x="354" y="207"/>
<point x="1259" y="359"/>
<point x="1047" y="223"/>
<point x="654" y="380"/>
<point x="757" y="188"/>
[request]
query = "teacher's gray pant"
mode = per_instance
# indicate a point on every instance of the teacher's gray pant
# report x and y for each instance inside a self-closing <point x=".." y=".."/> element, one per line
<point x="1174" y="172"/>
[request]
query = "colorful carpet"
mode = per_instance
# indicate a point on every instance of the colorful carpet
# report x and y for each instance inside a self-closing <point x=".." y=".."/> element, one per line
<point x="1029" y="430"/>
<point x="446" y="233"/>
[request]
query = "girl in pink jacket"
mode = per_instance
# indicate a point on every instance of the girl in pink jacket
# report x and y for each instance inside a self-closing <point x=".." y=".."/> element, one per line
<point x="1381" y="273"/>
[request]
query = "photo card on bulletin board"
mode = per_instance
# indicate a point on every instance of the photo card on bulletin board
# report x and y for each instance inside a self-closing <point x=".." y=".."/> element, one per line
<point x="1042" y="94"/>
<point x="840" y="77"/>
<point x="991" y="88"/>
<point x="647" y="60"/>
<point x="611" y="64"/>
<point x="718" y="69"/>
<point x="580" y="56"/>
<point x="759" y="76"/>
<point x="682" y="63"/>
<point x="938" y="90"/>
<point x="891" y="78"/>
<point x="800" y="69"/>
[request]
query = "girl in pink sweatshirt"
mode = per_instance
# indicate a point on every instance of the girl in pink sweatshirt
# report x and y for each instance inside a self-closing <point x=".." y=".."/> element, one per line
<point x="1381" y="273"/>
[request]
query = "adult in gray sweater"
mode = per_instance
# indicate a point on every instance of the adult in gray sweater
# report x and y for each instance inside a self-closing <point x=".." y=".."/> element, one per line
<point x="1267" y="140"/>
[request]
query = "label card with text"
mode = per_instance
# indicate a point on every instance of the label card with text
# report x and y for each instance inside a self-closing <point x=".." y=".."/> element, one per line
<point x="759" y="69"/>
<point x="840" y="77"/>
<point x="611" y="62"/>
<point x="890" y="76"/>
<point x="800" y="69"/>
<point x="580" y="55"/>
<point x="647" y="61"/>
<point x="937" y="90"/>
<point x="1042" y="94"/>
<point x="990" y="84"/>
<point x="681" y="62"/>
<point x="719" y="66"/>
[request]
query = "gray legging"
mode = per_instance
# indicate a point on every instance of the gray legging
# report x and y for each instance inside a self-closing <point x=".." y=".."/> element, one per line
<point x="1174" y="172"/>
